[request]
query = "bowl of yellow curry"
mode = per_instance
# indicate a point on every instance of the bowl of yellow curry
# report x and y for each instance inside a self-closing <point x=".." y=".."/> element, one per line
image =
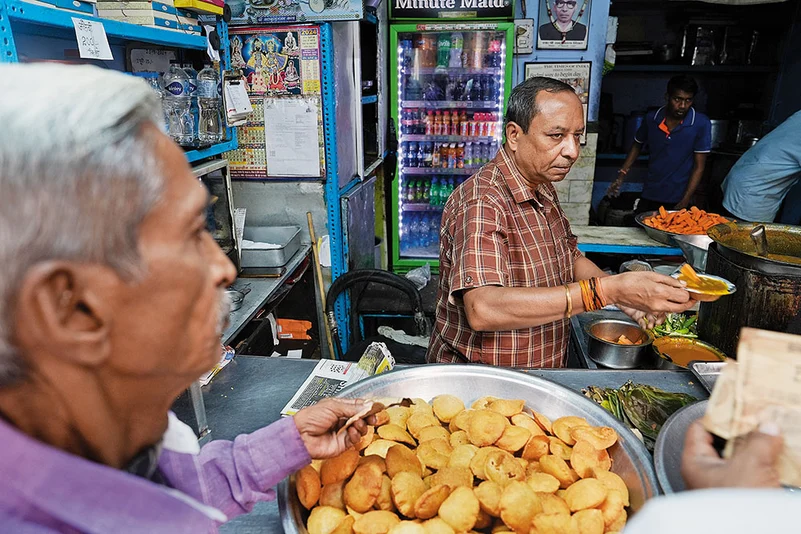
<point x="704" y="287"/>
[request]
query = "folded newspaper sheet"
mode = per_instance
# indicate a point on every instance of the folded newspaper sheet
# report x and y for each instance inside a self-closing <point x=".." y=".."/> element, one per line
<point x="330" y="376"/>
<point x="763" y="386"/>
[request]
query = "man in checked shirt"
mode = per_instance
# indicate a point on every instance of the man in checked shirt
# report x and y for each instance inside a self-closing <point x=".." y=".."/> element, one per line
<point x="511" y="274"/>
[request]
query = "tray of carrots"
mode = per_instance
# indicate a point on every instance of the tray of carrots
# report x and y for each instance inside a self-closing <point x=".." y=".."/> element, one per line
<point x="662" y="223"/>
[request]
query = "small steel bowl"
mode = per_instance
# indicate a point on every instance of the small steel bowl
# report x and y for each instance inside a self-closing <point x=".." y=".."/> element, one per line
<point x="614" y="355"/>
<point x="700" y="296"/>
<point x="667" y="364"/>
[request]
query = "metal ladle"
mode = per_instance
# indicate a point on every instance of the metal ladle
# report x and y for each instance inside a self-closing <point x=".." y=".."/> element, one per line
<point x="760" y="239"/>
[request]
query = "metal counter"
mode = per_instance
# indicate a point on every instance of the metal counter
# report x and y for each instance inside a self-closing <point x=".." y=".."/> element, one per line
<point x="251" y="391"/>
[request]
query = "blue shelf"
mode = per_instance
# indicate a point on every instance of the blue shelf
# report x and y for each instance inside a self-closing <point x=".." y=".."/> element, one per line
<point x="214" y="150"/>
<point x="370" y="99"/>
<point x="630" y="249"/>
<point x="116" y="31"/>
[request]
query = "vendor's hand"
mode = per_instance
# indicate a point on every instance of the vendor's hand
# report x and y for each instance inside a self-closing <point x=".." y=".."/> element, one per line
<point x="318" y="426"/>
<point x="753" y="464"/>
<point x="614" y="188"/>
<point x="644" y="319"/>
<point x="647" y="291"/>
<point x="681" y="204"/>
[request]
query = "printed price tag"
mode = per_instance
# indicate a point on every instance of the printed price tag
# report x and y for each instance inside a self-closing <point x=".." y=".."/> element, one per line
<point x="92" y="40"/>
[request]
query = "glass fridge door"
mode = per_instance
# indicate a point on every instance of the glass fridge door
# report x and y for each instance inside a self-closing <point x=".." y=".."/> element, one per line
<point x="450" y="111"/>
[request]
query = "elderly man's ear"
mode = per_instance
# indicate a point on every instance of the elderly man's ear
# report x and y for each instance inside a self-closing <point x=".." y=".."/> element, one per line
<point x="64" y="309"/>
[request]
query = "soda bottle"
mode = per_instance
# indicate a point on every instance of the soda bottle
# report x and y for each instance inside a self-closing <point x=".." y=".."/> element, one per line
<point x="482" y="125"/>
<point x="409" y="193"/>
<point x="468" y="155"/>
<point x="457" y="44"/>
<point x="452" y="156"/>
<point x="485" y="88"/>
<point x="177" y="105"/>
<point x="192" y="73"/>
<point x="491" y="125"/>
<point x="491" y="89"/>
<point x="464" y="125"/>
<point x="426" y="196"/>
<point x="209" y="102"/>
<point x="443" y="157"/>
<point x="493" y="58"/>
<point x="438" y="123"/>
<point x="455" y="122"/>
<point x="427" y="153"/>
<point x="412" y="161"/>
<point x="477" y="94"/>
<point x="421" y="155"/>
<point x="474" y="125"/>
<point x="405" y="53"/>
<point x="435" y="156"/>
<point x="433" y="194"/>
<point x="446" y="123"/>
<point x="460" y="156"/>
<point x="433" y="229"/>
<point x="429" y="123"/>
<point x="444" y="50"/>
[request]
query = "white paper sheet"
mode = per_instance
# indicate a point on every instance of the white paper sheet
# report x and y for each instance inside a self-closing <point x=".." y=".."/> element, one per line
<point x="92" y="40"/>
<point x="292" y="139"/>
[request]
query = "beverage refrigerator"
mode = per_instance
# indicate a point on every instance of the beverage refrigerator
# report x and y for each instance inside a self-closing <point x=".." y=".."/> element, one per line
<point x="449" y="86"/>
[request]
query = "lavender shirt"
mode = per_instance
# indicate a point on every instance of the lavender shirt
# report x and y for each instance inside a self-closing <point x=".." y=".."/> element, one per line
<point x="48" y="490"/>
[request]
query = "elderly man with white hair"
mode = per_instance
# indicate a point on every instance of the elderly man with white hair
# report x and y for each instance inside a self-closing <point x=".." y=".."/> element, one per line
<point x="111" y="304"/>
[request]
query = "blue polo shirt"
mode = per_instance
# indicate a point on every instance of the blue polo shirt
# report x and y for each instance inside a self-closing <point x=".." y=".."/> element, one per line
<point x="672" y="154"/>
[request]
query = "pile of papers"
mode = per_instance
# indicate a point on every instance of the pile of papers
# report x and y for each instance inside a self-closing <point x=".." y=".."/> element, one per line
<point x="160" y="14"/>
<point x="763" y="386"/>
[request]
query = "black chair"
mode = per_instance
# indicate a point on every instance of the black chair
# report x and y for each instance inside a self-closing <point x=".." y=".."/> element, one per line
<point x="360" y="278"/>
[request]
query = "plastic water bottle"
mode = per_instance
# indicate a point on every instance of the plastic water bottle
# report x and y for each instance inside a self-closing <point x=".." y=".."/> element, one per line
<point x="433" y="229"/>
<point x="177" y="105"/>
<point x="192" y="73"/>
<point x="209" y="97"/>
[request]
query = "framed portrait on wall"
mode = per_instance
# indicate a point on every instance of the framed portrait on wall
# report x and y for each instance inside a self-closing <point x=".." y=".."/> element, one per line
<point x="564" y="24"/>
<point x="576" y="74"/>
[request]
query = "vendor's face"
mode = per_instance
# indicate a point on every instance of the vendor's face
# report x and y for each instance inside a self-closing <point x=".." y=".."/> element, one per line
<point x="168" y="322"/>
<point x="679" y="103"/>
<point x="564" y="10"/>
<point x="551" y="146"/>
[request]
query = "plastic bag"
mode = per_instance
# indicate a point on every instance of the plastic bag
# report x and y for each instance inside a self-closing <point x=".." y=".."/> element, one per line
<point x="420" y="276"/>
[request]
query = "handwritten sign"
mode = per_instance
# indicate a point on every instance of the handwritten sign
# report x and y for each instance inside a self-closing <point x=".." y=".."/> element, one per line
<point x="148" y="60"/>
<point x="92" y="40"/>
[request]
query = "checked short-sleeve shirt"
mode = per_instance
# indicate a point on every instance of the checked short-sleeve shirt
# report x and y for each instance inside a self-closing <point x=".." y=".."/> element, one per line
<point x="498" y="230"/>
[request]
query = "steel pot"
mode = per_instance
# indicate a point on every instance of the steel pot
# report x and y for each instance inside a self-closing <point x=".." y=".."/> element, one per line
<point x="784" y="247"/>
<point x="614" y="355"/>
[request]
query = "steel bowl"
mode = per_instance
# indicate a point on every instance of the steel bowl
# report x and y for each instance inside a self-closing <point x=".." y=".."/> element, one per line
<point x="630" y="458"/>
<point x="614" y="355"/>
<point x="700" y="296"/>
<point x="667" y="364"/>
<point x="695" y="249"/>
<point x="662" y="236"/>
<point x="670" y="445"/>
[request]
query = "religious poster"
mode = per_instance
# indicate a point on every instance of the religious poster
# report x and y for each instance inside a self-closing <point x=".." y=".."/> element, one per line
<point x="574" y="74"/>
<point x="564" y="24"/>
<point x="246" y="12"/>
<point x="280" y="62"/>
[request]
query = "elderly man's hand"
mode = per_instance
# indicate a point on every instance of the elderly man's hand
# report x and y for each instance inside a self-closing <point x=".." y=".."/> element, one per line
<point x="753" y="465"/>
<point x="648" y="292"/>
<point x="318" y="426"/>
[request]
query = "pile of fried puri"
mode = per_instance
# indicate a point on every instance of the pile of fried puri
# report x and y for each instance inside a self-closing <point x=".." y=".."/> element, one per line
<point x="440" y="468"/>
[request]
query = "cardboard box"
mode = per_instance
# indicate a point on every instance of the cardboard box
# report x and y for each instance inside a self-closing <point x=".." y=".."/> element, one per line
<point x="159" y="7"/>
<point x="214" y="7"/>
<point x="141" y="18"/>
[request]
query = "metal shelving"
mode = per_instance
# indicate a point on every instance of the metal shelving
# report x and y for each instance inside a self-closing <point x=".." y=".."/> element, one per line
<point x="449" y="104"/>
<point x="448" y="138"/>
<point x="436" y="170"/>
<point x="22" y="13"/>
<point x="213" y="150"/>
<point x="421" y="207"/>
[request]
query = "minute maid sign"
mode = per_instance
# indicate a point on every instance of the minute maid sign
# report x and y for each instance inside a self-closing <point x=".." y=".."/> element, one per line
<point x="451" y="9"/>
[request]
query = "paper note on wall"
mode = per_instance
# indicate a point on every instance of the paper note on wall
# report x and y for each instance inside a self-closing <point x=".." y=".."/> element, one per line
<point x="92" y="40"/>
<point x="292" y="138"/>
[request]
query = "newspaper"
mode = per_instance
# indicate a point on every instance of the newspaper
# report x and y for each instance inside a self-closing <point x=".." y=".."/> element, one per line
<point x="767" y="388"/>
<point x="331" y="376"/>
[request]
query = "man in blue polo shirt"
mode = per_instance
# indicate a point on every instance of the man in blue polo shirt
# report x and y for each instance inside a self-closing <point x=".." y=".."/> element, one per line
<point x="679" y="139"/>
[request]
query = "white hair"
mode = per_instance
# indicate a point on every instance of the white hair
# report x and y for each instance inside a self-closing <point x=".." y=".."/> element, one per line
<point x="77" y="175"/>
